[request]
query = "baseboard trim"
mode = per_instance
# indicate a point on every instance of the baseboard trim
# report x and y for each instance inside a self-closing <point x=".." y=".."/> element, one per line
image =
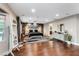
<point x="71" y="43"/>
<point x="75" y="43"/>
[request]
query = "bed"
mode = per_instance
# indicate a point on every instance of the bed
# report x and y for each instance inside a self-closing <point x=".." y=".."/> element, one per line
<point x="35" y="35"/>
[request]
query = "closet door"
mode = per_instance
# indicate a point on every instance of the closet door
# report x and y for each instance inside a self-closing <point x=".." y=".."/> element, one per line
<point x="4" y="35"/>
<point x="1" y="27"/>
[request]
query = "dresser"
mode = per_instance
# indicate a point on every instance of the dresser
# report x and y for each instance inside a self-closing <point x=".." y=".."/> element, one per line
<point x="58" y="36"/>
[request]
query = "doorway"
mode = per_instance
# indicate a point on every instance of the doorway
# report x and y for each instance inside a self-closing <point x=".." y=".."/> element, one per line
<point x="4" y="33"/>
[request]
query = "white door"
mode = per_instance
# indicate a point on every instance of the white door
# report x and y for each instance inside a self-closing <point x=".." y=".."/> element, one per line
<point x="4" y="35"/>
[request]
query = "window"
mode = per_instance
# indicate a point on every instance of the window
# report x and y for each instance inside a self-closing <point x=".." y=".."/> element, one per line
<point x="1" y="27"/>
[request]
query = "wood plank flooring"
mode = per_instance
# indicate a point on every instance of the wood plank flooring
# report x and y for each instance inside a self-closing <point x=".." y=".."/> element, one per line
<point x="49" y="48"/>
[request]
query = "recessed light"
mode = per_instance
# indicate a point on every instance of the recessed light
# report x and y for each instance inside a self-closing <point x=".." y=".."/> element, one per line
<point x="33" y="10"/>
<point x="57" y="14"/>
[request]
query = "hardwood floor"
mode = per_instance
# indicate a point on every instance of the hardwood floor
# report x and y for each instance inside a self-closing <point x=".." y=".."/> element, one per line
<point x="49" y="48"/>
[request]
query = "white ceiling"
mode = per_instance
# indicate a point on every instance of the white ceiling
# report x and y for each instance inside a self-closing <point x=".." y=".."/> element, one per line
<point x="45" y="12"/>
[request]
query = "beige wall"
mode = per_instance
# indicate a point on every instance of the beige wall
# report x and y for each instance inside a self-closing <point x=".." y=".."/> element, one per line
<point x="78" y="28"/>
<point x="70" y="24"/>
<point x="46" y="29"/>
<point x="4" y="44"/>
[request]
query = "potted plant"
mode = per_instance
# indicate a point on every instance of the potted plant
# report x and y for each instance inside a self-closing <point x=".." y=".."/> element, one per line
<point x="68" y="38"/>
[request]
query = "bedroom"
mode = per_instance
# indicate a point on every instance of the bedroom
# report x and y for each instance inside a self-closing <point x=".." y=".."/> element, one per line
<point x="39" y="29"/>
